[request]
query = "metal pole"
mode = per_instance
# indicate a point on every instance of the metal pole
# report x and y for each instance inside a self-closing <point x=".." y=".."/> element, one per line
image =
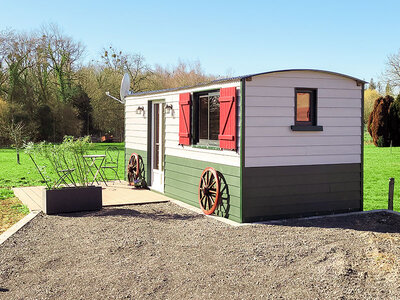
<point x="391" y="192"/>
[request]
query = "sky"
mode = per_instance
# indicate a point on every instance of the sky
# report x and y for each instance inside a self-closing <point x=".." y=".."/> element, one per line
<point x="227" y="37"/>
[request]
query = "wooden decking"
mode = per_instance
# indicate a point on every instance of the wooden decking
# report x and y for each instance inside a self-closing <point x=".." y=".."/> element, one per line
<point x="113" y="194"/>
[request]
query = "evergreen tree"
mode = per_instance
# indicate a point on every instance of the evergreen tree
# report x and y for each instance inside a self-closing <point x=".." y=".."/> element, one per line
<point x="372" y="84"/>
<point x="388" y="89"/>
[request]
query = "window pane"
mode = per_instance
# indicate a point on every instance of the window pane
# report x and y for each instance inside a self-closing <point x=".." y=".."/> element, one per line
<point x="214" y="117"/>
<point x="203" y="117"/>
<point x="303" y="107"/>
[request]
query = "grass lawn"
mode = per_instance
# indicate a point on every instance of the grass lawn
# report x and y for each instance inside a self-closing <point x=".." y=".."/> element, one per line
<point x="379" y="165"/>
<point x="25" y="174"/>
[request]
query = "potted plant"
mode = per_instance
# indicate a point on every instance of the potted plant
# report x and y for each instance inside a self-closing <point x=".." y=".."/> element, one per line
<point x="65" y="172"/>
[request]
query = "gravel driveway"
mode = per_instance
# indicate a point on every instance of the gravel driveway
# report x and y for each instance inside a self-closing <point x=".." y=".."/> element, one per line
<point x="163" y="251"/>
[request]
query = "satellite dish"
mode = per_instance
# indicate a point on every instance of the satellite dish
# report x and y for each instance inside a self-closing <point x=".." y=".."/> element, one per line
<point x="124" y="90"/>
<point x="125" y="85"/>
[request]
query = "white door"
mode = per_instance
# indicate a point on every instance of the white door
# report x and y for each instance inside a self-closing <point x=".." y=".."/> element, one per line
<point x="157" y="142"/>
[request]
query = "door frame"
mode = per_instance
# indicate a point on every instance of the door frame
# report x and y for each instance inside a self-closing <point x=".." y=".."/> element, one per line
<point x="150" y="144"/>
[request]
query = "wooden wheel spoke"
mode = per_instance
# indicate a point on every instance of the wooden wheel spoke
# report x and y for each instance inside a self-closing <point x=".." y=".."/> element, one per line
<point x="212" y="179"/>
<point x="205" y="202"/>
<point x="202" y="200"/>
<point x="212" y="184"/>
<point x="203" y="181"/>
<point x="209" y="202"/>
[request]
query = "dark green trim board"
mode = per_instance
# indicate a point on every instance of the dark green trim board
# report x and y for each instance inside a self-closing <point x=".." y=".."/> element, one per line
<point x="143" y="154"/>
<point x="149" y="141"/>
<point x="295" y="191"/>
<point x="182" y="176"/>
<point x="242" y="143"/>
<point x="362" y="148"/>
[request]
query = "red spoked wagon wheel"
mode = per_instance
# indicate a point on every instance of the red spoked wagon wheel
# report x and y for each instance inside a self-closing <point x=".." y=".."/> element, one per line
<point x="209" y="190"/>
<point x="135" y="168"/>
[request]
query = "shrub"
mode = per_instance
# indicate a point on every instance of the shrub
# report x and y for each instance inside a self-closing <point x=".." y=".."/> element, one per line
<point x="394" y="114"/>
<point x="379" y="121"/>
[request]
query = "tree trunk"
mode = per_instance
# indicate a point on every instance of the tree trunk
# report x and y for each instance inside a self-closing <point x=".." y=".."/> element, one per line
<point x="18" y="156"/>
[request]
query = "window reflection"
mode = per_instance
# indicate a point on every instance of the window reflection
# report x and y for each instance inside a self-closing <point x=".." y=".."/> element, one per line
<point x="203" y="117"/>
<point x="214" y="117"/>
<point x="208" y="117"/>
<point x="303" y="107"/>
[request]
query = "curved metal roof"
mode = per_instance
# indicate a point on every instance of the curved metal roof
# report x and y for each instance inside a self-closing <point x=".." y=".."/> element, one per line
<point x="237" y="78"/>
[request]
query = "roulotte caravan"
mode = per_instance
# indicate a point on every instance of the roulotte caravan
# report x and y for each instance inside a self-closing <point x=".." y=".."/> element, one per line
<point x="271" y="145"/>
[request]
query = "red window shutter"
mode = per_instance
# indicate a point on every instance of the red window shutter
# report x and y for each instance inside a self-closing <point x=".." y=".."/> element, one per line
<point x="227" y="118"/>
<point x="184" y="119"/>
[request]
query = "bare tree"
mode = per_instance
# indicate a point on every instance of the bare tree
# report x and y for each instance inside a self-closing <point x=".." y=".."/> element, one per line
<point x="392" y="72"/>
<point x="17" y="134"/>
<point x="183" y="74"/>
<point x="133" y="64"/>
<point x="15" y="57"/>
<point x="63" y="55"/>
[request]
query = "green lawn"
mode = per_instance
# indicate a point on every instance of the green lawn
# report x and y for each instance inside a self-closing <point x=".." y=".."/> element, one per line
<point x="25" y="174"/>
<point x="379" y="165"/>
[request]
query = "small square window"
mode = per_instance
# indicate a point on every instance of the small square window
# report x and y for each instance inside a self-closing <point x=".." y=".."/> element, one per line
<point x="305" y="118"/>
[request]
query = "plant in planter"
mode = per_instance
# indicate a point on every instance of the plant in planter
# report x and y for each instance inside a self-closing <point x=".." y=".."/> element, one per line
<point x="63" y="169"/>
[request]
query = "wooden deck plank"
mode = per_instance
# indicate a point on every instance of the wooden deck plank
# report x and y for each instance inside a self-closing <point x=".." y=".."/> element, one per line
<point x="35" y="193"/>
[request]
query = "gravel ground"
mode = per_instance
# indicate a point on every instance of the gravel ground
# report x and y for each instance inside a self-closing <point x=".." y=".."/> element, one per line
<point x="162" y="251"/>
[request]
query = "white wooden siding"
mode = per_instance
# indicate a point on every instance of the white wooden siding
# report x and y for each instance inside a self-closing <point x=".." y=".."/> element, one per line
<point x="136" y="127"/>
<point x="270" y="113"/>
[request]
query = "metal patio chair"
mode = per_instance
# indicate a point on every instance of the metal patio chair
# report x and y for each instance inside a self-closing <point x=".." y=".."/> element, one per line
<point x="111" y="162"/>
<point x="64" y="173"/>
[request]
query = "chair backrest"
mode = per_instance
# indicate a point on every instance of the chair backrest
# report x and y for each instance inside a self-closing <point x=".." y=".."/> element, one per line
<point x="112" y="155"/>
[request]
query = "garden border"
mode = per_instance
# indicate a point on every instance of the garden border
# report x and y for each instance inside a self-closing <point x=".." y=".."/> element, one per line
<point x="17" y="226"/>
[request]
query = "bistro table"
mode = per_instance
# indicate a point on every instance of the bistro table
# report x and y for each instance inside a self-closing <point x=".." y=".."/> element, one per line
<point x="90" y="161"/>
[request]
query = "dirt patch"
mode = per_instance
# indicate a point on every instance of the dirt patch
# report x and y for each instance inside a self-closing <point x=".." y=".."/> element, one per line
<point x="11" y="211"/>
<point x="161" y="251"/>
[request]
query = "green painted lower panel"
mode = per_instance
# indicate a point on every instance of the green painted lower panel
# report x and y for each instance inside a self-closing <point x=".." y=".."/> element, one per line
<point x="193" y="193"/>
<point x="189" y="181"/>
<point x="143" y="154"/>
<point x="182" y="177"/>
<point x="294" y="191"/>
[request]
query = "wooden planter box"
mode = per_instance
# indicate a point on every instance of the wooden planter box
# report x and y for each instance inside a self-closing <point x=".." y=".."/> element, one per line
<point x="72" y="199"/>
